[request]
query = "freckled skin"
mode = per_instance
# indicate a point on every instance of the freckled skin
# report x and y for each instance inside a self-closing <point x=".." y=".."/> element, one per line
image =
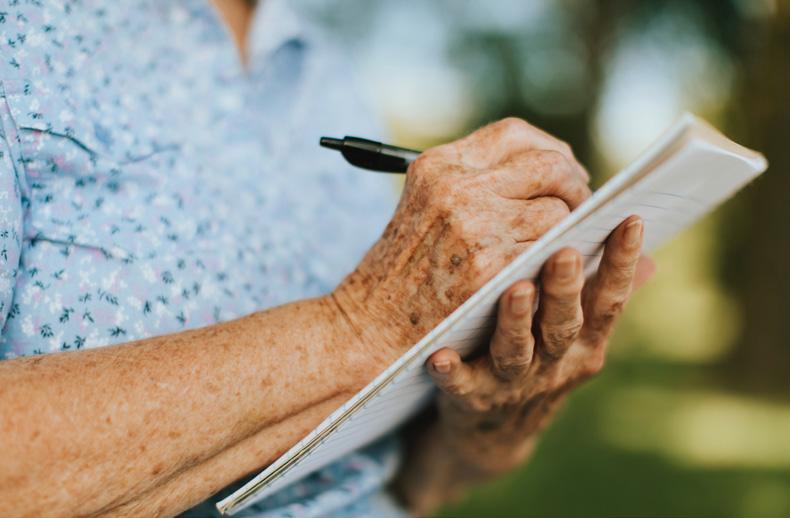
<point x="154" y="427"/>
<point x="467" y="209"/>
<point x="493" y="407"/>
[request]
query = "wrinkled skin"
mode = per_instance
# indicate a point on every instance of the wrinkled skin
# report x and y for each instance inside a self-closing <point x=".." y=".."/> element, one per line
<point x="468" y="208"/>
<point x="493" y="406"/>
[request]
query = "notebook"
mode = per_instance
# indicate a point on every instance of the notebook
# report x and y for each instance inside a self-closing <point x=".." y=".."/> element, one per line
<point x="687" y="172"/>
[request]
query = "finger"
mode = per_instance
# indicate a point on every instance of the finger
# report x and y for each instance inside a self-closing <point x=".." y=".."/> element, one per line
<point x="560" y="315"/>
<point x="532" y="174"/>
<point x="645" y="269"/>
<point x="512" y="344"/>
<point x="544" y="140"/>
<point x="452" y="375"/>
<point x="498" y="141"/>
<point x="610" y="288"/>
<point x="528" y="220"/>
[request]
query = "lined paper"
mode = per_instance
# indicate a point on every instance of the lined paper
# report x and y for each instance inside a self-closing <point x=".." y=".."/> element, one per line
<point x="691" y="169"/>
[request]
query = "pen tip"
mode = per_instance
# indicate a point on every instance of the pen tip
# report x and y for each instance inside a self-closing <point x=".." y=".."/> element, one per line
<point x="331" y="143"/>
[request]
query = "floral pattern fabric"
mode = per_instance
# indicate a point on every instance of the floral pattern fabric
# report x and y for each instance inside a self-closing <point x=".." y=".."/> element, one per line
<point x="150" y="183"/>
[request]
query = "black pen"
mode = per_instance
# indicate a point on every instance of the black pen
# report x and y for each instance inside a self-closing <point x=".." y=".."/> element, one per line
<point x="369" y="154"/>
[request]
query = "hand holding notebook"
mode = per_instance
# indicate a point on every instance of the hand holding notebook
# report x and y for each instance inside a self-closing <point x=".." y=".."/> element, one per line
<point x="687" y="172"/>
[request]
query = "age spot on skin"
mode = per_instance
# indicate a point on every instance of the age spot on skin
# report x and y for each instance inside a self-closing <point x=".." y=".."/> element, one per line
<point x="456" y="260"/>
<point x="414" y="318"/>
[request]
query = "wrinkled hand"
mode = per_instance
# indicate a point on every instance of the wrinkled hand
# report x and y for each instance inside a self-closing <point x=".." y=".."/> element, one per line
<point x="492" y="407"/>
<point x="468" y="208"/>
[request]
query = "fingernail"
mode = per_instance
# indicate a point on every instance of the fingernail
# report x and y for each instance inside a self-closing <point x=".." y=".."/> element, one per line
<point x="441" y="367"/>
<point x="565" y="266"/>
<point x="633" y="232"/>
<point x="521" y="300"/>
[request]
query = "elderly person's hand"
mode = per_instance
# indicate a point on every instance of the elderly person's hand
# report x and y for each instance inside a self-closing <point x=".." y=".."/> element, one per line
<point x="492" y="407"/>
<point x="468" y="208"/>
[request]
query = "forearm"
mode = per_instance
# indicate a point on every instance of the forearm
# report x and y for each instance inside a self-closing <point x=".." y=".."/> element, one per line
<point x="193" y="485"/>
<point x="86" y="431"/>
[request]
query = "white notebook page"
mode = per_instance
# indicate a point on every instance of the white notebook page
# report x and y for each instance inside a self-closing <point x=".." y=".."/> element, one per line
<point x="685" y="174"/>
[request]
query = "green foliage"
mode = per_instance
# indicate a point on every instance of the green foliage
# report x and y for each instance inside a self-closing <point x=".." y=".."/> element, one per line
<point x="578" y="470"/>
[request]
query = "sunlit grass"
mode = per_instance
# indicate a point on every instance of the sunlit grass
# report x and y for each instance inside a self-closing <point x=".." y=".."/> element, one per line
<point x="699" y="428"/>
<point x="764" y="498"/>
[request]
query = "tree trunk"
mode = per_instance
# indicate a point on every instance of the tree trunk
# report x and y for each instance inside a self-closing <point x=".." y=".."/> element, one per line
<point x="761" y="275"/>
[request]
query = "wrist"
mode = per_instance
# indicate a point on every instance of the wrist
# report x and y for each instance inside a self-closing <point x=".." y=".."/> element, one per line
<point x="373" y="304"/>
<point x="489" y="457"/>
<point x="488" y="443"/>
<point x="356" y="342"/>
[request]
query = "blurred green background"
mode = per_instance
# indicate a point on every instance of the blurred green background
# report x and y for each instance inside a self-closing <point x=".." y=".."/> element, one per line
<point x="692" y="415"/>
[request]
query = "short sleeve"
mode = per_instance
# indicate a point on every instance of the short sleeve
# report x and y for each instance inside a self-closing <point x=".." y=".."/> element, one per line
<point x="11" y="212"/>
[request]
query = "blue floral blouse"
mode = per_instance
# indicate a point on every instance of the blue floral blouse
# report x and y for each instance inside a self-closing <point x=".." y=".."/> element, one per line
<point x="149" y="183"/>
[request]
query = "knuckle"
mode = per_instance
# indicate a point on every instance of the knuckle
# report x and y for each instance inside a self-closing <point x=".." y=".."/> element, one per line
<point x="548" y="209"/>
<point x="555" y="207"/>
<point x="562" y="334"/>
<point x="566" y="149"/>
<point x="554" y="164"/>
<point x="555" y="159"/>
<point x="623" y="262"/>
<point x="611" y="310"/>
<point x="547" y="213"/>
<point x="514" y="366"/>
<point x="513" y="360"/>
<point x="575" y="326"/>
<point x="562" y="292"/>
<point x="579" y="188"/>
<point x="514" y="125"/>
<point x="518" y="335"/>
